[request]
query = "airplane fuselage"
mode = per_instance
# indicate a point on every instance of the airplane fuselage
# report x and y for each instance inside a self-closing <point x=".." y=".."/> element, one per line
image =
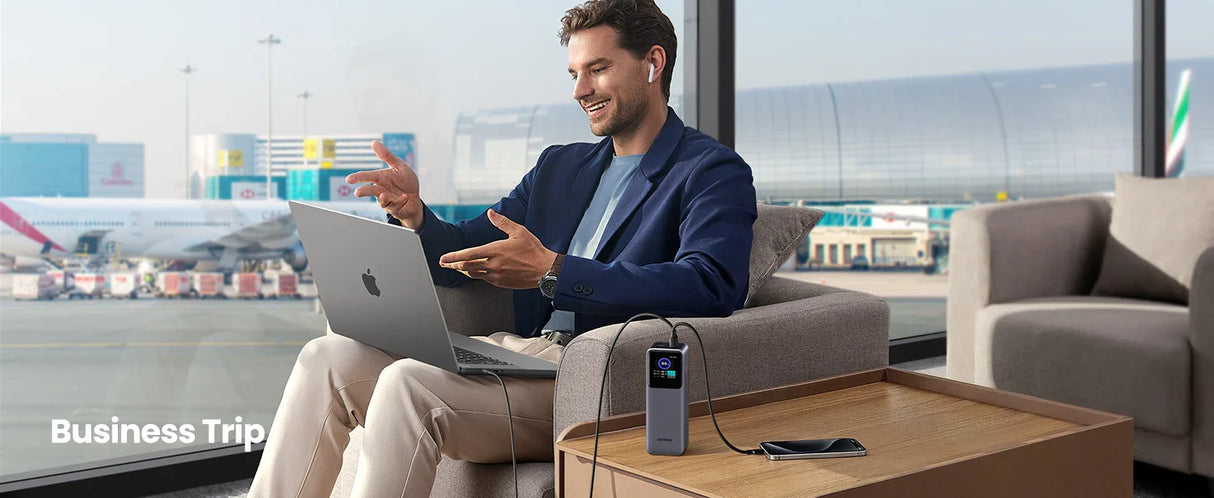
<point x="187" y="230"/>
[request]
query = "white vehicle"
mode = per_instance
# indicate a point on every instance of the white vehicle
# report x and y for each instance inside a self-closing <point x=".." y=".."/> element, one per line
<point x="209" y="285"/>
<point x="172" y="284"/>
<point x="34" y="286"/>
<point x="124" y="285"/>
<point x="281" y="285"/>
<point x="182" y="230"/>
<point x="91" y="285"/>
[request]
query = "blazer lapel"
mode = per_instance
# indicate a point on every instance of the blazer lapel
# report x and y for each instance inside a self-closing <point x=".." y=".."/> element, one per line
<point x="646" y="177"/>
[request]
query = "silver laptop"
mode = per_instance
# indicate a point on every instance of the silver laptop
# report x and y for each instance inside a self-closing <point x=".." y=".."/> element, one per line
<point x="375" y="286"/>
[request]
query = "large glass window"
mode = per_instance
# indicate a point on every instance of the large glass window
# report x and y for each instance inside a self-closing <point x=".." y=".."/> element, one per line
<point x="888" y="114"/>
<point x="155" y="309"/>
<point x="1190" y="88"/>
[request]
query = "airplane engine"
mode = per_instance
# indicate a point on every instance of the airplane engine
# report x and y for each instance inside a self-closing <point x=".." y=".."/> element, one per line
<point x="296" y="258"/>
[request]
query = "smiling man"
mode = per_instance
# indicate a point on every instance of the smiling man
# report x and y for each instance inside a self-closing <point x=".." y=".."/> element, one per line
<point x="654" y="218"/>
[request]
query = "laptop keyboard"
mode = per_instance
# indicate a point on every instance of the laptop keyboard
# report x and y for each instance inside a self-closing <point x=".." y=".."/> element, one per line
<point x="466" y="357"/>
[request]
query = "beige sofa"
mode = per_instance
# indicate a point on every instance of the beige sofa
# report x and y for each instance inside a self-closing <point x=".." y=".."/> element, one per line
<point x="1021" y="317"/>
<point x="790" y="331"/>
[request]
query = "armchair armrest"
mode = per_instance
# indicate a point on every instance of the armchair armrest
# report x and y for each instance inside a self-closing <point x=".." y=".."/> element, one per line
<point x="1008" y="252"/>
<point x="755" y="348"/>
<point x="1201" y="339"/>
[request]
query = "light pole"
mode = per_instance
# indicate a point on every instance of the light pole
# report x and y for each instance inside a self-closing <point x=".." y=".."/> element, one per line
<point x="305" y="96"/>
<point x="269" y="41"/>
<point x="188" y="70"/>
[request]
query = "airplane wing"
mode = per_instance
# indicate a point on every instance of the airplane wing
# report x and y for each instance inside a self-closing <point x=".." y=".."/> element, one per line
<point x="272" y="234"/>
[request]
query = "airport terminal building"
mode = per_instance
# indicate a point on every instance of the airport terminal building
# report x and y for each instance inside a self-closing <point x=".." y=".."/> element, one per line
<point x="233" y="165"/>
<point x="1031" y="133"/>
<point x="69" y="165"/>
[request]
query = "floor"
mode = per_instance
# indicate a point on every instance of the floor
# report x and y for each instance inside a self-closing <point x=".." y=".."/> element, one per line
<point x="1149" y="481"/>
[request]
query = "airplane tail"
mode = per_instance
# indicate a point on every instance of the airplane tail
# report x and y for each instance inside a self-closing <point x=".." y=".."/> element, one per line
<point x="1178" y="136"/>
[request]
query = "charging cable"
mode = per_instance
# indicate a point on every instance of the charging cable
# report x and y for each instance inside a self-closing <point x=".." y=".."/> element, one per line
<point x="674" y="339"/>
<point x="510" y="420"/>
<point x="603" y="387"/>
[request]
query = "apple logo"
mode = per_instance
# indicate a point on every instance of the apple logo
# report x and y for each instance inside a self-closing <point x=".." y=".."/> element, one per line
<point x="369" y="281"/>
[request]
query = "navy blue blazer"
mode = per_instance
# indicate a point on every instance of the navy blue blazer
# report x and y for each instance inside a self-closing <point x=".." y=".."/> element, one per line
<point x="678" y="243"/>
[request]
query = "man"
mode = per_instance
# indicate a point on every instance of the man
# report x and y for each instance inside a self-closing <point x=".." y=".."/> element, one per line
<point x="655" y="218"/>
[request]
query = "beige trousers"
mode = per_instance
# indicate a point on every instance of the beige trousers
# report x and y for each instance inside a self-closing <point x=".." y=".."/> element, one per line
<point x="412" y="413"/>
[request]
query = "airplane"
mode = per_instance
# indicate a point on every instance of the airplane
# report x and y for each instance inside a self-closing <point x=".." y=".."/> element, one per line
<point x="227" y="232"/>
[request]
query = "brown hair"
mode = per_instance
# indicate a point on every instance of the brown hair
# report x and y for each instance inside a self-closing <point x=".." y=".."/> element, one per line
<point x="640" y="25"/>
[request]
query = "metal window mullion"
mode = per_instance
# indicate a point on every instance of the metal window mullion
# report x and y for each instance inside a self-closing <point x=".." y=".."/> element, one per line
<point x="1150" y="109"/>
<point x="708" y="71"/>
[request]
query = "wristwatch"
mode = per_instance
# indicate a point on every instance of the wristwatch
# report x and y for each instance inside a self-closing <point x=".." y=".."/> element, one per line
<point x="548" y="281"/>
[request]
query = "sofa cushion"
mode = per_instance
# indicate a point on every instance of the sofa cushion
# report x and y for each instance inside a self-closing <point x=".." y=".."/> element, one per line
<point x="1159" y="228"/>
<point x="777" y="231"/>
<point x="1112" y="354"/>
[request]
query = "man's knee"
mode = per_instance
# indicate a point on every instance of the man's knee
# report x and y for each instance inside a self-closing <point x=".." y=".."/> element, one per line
<point x="406" y="373"/>
<point x="330" y="352"/>
<point x="411" y="383"/>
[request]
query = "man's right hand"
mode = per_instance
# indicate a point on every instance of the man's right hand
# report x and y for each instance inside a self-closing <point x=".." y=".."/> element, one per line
<point x="395" y="187"/>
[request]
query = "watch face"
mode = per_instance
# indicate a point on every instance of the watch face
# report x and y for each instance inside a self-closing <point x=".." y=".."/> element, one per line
<point x="548" y="286"/>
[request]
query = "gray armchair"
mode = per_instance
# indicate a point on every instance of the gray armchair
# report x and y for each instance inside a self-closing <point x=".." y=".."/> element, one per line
<point x="800" y="331"/>
<point x="789" y="332"/>
<point x="1021" y="318"/>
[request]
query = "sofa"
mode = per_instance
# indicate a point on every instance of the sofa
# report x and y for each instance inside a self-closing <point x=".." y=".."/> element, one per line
<point x="789" y="331"/>
<point x="1031" y="310"/>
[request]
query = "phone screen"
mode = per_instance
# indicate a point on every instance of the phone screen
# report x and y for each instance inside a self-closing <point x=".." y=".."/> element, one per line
<point x="812" y="446"/>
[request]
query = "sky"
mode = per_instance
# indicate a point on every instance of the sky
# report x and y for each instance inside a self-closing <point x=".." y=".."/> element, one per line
<point x="111" y="68"/>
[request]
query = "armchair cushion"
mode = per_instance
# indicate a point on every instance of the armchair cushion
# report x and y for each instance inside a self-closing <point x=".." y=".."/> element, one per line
<point x="1159" y="228"/>
<point x="1119" y="355"/>
<point x="777" y="231"/>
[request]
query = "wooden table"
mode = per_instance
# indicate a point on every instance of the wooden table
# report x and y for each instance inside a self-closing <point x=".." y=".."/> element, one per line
<point x="926" y="436"/>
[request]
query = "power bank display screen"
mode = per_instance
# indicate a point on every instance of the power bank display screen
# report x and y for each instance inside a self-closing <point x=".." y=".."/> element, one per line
<point x="666" y="369"/>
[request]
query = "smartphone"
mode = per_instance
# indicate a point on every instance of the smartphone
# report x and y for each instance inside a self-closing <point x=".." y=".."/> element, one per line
<point x="813" y="448"/>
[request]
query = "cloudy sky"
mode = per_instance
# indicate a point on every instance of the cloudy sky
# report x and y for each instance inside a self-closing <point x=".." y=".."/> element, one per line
<point x="110" y="68"/>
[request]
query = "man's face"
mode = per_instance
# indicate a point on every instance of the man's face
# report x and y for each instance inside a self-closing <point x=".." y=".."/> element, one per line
<point x="604" y="73"/>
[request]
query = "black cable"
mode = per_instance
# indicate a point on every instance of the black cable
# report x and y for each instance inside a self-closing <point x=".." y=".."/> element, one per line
<point x="510" y="420"/>
<point x="707" y="392"/>
<point x="603" y="387"/>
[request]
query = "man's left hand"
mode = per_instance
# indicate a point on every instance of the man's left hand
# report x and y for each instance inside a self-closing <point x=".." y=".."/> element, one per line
<point x="519" y="262"/>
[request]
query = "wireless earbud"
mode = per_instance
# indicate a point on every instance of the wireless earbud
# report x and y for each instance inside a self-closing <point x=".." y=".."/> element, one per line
<point x="651" y="73"/>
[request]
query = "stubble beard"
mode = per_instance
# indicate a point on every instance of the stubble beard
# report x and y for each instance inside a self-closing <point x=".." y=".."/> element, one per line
<point x="628" y="113"/>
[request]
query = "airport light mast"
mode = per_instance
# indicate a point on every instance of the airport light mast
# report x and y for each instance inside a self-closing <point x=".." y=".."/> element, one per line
<point x="305" y="96"/>
<point x="188" y="70"/>
<point x="269" y="41"/>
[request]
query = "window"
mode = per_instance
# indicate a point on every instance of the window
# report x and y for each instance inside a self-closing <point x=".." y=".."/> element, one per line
<point x="1190" y="46"/>
<point x="475" y="84"/>
<point x="898" y="112"/>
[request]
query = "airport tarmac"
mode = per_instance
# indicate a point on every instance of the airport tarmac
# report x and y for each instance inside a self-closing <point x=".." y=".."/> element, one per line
<point x="159" y="361"/>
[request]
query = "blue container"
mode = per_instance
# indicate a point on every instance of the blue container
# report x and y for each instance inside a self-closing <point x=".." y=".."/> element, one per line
<point x="321" y="185"/>
<point x="44" y="169"/>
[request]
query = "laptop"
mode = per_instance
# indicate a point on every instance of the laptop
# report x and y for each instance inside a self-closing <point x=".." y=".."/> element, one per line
<point x="375" y="286"/>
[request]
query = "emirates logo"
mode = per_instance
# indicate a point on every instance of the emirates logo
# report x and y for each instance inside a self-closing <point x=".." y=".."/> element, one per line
<point x="117" y="176"/>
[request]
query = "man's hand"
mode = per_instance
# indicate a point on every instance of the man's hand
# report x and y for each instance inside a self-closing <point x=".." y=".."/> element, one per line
<point x="395" y="187"/>
<point x="515" y="263"/>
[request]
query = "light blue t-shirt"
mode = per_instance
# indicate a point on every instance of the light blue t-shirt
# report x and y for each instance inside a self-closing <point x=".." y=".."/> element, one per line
<point x="588" y="237"/>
